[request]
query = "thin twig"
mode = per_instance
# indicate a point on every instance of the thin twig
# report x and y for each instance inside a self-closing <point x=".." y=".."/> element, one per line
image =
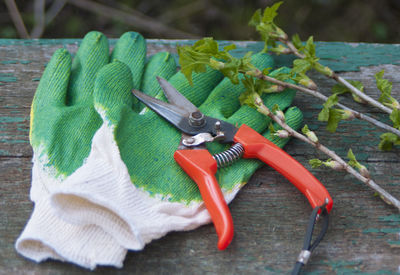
<point x="54" y="10"/>
<point x="183" y="11"/>
<point x="387" y="197"/>
<point x="39" y="14"/>
<point x="341" y="80"/>
<point x="17" y="19"/>
<point x="360" y="94"/>
<point x="319" y="95"/>
<point x="140" y="21"/>
<point x="292" y="48"/>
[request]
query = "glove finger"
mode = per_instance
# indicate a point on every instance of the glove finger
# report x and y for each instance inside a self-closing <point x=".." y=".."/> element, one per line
<point x="224" y="99"/>
<point x="54" y="81"/>
<point x="203" y="84"/>
<point x="112" y="91"/>
<point x="161" y="64"/>
<point x="90" y="58"/>
<point x="131" y="50"/>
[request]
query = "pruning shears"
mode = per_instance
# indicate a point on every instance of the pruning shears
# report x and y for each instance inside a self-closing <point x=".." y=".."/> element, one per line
<point x="192" y="155"/>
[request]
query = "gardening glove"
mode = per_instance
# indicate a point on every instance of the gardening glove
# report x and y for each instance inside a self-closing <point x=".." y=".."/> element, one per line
<point x="63" y="122"/>
<point x="133" y="188"/>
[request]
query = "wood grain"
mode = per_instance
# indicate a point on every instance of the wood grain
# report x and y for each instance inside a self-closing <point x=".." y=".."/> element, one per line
<point x="269" y="214"/>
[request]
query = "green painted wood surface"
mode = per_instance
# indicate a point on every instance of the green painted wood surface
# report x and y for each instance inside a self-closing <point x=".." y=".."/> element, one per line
<point x="270" y="215"/>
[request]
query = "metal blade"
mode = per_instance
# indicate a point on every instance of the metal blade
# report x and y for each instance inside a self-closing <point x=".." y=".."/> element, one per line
<point x="172" y="113"/>
<point x="175" y="97"/>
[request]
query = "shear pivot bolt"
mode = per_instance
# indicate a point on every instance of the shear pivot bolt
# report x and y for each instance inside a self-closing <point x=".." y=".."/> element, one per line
<point x="217" y="126"/>
<point x="196" y="119"/>
<point x="189" y="140"/>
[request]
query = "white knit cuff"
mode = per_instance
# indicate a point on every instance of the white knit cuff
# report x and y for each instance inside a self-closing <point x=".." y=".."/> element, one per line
<point x="46" y="236"/>
<point x="101" y="192"/>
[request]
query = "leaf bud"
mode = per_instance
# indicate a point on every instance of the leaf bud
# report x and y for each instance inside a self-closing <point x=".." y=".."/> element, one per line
<point x="309" y="134"/>
<point x="255" y="73"/>
<point x="364" y="171"/>
<point x="282" y="134"/>
<point x="324" y="70"/>
<point x="312" y="136"/>
<point x="348" y="115"/>
<point x="334" y="165"/>
<point x="280" y="50"/>
<point x="281" y="34"/>
<point x="280" y="115"/>
<point x="307" y="82"/>
<point x="215" y="64"/>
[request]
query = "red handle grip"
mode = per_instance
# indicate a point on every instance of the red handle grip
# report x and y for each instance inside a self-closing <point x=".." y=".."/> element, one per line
<point x="201" y="167"/>
<point x="257" y="146"/>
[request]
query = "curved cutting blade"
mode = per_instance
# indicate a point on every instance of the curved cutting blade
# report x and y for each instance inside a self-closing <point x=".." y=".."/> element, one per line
<point x="168" y="111"/>
<point x="175" y="97"/>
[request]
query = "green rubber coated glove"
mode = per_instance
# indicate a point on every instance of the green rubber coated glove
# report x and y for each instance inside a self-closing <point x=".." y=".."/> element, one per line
<point x="133" y="187"/>
<point x="63" y="123"/>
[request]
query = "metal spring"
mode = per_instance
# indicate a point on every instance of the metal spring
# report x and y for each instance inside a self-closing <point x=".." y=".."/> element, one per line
<point x="229" y="156"/>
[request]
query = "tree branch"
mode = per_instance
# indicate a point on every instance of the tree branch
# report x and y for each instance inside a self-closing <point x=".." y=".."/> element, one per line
<point x="54" y="10"/>
<point x="39" y="15"/>
<point x="319" y="95"/>
<point x="17" y="19"/>
<point x="138" y="20"/>
<point x="341" y="80"/>
<point x="387" y="197"/>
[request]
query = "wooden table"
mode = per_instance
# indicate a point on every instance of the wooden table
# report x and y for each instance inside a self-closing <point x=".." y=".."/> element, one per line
<point x="270" y="215"/>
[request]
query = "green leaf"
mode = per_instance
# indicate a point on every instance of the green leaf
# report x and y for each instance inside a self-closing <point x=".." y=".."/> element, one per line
<point x="191" y="62"/>
<point x="304" y="80"/>
<point x="256" y="18"/>
<point x="195" y="58"/>
<point x="280" y="49"/>
<point x="265" y="25"/>
<point x="335" y="116"/>
<point x="229" y="47"/>
<point x="321" y="68"/>
<point x="395" y="118"/>
<point x="315" y="163"/>
<point x="248" y="98"/>
<point x="297" y="42"/>
<point x="282" y="76"/>
<point x="331" y="115"/>
<point x="205" y="52"/>
<point x="309" y="49"/>
<point x="305" y="130"/>
<point x="310" y="134"/>
<point x="383" y="84"/>
<point x="271" y="129"/>
<point x="271" y="12"/>
<point x="352" y="160"/>
<point x="388" y="140"/>
<point x="275" y="108"/>
<point x="341" y="89"/>
<point x="354" y="163"/>
<point x="301" y="66"/>
<point x="329" y="103"/>
<point x="386" y="89"/>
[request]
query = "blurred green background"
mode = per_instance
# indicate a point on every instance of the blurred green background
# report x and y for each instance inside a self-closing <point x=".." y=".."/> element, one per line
<point x="328" y="20"/>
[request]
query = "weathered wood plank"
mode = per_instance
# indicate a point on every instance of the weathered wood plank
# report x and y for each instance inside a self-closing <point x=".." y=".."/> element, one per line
<point x="270" y="215"/>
